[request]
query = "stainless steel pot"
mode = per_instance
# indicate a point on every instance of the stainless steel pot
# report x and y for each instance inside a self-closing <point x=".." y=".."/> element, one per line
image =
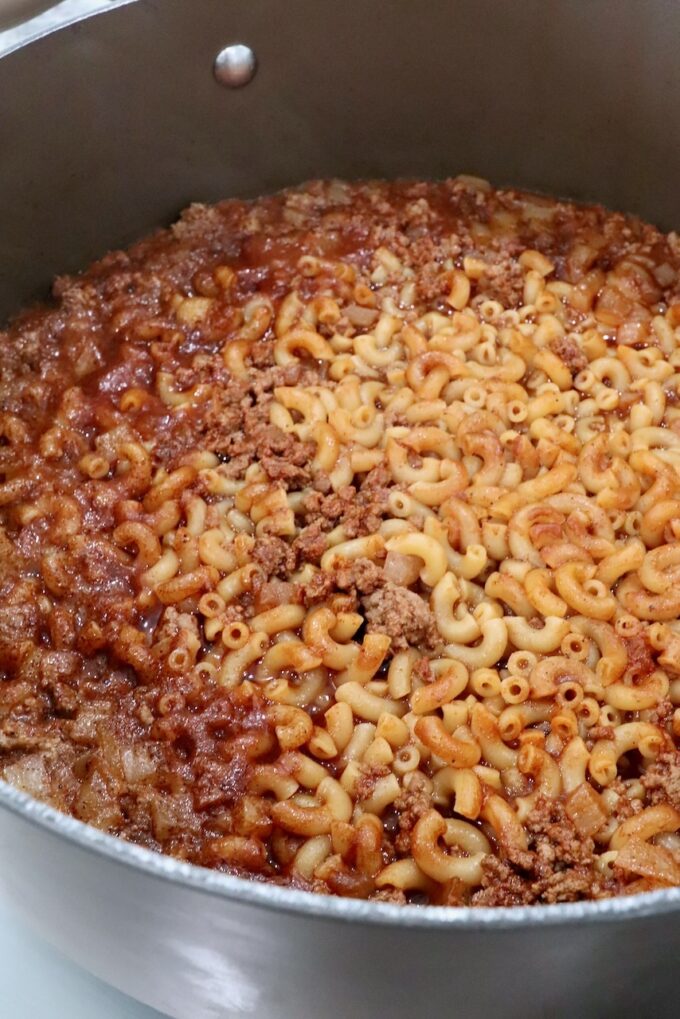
<point x="107" y="127"/>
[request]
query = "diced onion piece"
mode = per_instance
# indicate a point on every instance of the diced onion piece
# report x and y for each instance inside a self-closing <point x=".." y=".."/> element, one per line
<point x="30" y="775"/>
<point x="648" y="860"/>
<point x="275" y="592"/>
<point x="402" y="570"/>
<point x="360" y="316"/>
<point x="137" y="764"/>
<point x="585" y="810"/>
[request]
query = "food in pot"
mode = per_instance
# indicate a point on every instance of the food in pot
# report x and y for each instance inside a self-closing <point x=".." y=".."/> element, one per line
<point x="340" y="545"/>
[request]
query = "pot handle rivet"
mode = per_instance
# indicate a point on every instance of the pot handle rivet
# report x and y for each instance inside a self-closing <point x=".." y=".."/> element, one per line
<point x="235" y="65"/>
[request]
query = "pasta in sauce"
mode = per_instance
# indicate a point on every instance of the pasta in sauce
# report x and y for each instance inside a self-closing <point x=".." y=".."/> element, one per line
<point x="340" y="545"/>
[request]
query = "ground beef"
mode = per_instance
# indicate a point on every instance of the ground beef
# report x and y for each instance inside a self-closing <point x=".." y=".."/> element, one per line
<point x="18" y="628"/>
<point x="353" y="577"/>
<point x="311" y="543"/>
<point x="319" y="588"/>
<point x="283" y="456"/>
<point x="235" y="419"/>
<point x="9" y="559"/>
<point x="223" y="413"/>
<point x="559" y="865"/>
<point x="624" y="806"/>
<point x="554" y="839"/>
<point x="641" y="662"/>
<point x="502" y="280"/>
<point x="568" y="350"/>
<point x="662" y="779"/>
<point x="422" y="670"/>
<point x="378" y="479"/>
<point x="403" y="615"/>
<point x="359" y="576"/>
<point x="274" y="555"/>
<point x="369" y="775"/>
<point x="501" y="885"/>
<point x="577" y="883"/>
<point x="411" y="804"/>
<point x="220" y="783"/>
<point x="174" y="625"/>
<point x="662" y="713"/>
<point x="235" y="612"/>
<point x="360" y="512"/>
<point x="391" y="895"/>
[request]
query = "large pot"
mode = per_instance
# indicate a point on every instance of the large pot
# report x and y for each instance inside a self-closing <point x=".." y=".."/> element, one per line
<point x="107" y="127"/>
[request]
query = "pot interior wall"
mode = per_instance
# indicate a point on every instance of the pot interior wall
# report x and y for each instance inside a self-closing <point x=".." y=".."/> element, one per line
<point x="108" y="127"/>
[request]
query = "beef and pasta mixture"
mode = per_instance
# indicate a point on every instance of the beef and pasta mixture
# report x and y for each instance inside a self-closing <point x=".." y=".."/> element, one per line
<point x="340" y="545"/>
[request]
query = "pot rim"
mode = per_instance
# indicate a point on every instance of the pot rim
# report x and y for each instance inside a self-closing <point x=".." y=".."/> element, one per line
<point x="49" y="21"/>
<point x="265" y="895"/>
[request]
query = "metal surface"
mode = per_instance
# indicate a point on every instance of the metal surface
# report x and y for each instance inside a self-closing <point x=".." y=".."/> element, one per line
<point x="107" y="128"/>
<point x="111" y="126"/>
<point x="35" y="975"/>
<point x="200" y="945"/>
<point x="235" y="66"/>
<point x="14" y="11"/>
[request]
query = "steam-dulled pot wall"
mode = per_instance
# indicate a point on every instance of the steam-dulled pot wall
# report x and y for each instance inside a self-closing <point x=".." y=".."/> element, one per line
<point x="108" y="127"/>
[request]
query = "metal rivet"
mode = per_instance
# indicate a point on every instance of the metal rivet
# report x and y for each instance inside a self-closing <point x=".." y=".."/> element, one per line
<point x="235" y="65"/>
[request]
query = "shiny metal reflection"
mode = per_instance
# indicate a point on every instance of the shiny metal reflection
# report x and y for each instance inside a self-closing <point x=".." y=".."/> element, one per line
<point x="235" y="66"/>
